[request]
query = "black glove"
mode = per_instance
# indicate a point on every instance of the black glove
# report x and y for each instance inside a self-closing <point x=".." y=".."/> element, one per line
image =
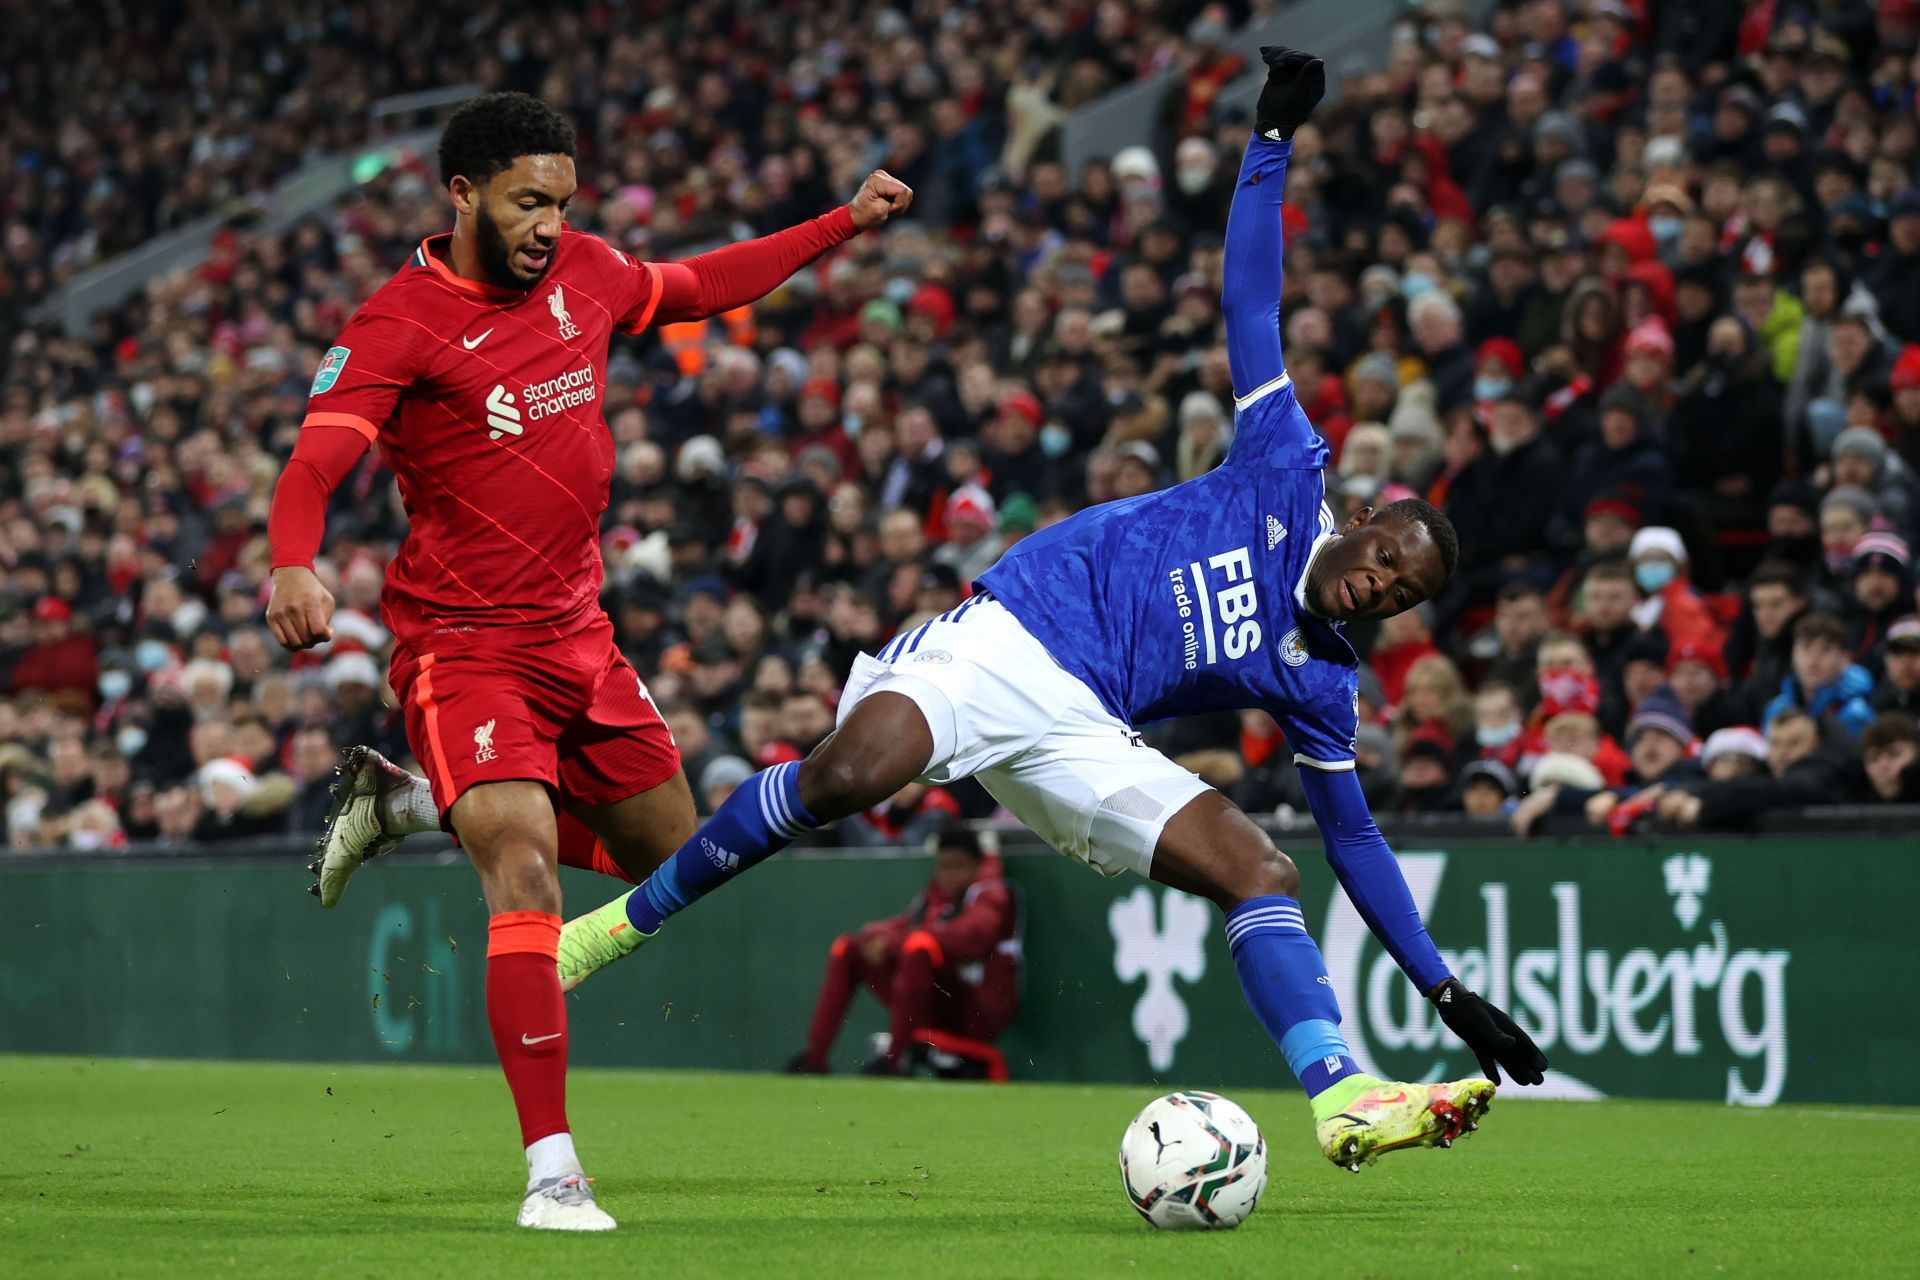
<point x="1296" y="82"/>
<point x="1495" y="1039"/>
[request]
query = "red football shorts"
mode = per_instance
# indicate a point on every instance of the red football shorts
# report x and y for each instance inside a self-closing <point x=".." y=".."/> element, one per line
<point x="571" y="713"/>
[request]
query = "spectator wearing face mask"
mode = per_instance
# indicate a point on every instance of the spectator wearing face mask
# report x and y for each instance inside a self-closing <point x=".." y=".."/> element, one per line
<point x="1659" y="560"/>
<point x="1847" y="515"/>
<point x="1497" y="726"/>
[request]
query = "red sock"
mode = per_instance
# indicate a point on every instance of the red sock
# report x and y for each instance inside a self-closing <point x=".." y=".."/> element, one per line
<point x="529" y="1018"/>
<point x="579" y="847"/>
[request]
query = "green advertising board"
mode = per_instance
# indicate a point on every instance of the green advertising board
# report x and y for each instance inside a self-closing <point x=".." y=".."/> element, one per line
<point x="1745" y="971"/>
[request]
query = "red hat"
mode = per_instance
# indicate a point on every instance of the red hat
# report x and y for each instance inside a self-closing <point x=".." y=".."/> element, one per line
<point x="52" y="609"/>
<point x="1024" y="403"/>
<point x="971" y="502"/>
<point x="1695" y="651"/>
<point x="1506" y="351"/>
<point x="1617" y="507"/>
<point x="1906" y="370"/>
<point x="823" y="388"/>
<point x="1632" y="235"/>
<point x="936" y="303"/>
<point x="1650" y="337"/>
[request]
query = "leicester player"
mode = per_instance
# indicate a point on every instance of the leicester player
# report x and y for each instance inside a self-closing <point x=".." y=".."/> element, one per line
<point x="479" y="371"/>
<point x="1227" y="591"/>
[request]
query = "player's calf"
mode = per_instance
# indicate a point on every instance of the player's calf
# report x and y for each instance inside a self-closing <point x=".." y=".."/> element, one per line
<point x="1213" y="850"/>
<point x="884" y="744"/>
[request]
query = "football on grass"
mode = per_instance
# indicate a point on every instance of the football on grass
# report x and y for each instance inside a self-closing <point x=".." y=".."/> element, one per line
<point x="1193" y="1160"/>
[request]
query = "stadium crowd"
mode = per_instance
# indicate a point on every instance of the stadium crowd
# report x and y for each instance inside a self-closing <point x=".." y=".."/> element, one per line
<point x="1631" y="290"/>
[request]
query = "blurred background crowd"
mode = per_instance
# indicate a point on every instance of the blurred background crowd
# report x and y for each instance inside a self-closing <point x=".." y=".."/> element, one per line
<point x="1632" y="290"/>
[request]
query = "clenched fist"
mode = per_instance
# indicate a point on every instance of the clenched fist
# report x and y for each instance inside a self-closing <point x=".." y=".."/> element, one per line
<point x="880" y="197"/>
<point x="300" y="614"/>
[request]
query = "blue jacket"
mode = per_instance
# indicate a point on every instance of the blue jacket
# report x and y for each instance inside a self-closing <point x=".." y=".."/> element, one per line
<point x="1844" y="702"/>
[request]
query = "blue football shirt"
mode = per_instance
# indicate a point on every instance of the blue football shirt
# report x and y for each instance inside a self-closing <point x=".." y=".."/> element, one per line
<point x="1192" y="599"/>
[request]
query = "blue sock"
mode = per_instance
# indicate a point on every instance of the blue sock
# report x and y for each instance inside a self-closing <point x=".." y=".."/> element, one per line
<point x="760" y="818"/>
<point x="1285" y="981"/>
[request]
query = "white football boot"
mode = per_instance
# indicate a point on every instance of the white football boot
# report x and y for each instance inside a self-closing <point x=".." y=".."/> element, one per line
<point x="563" y="1204"/>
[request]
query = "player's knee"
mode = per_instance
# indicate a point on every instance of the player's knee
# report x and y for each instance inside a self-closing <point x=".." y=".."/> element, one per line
<point x="519" y="877"/>
<point x="1263" y="872"/>
<point x="835" y="784"/>
<point x="922" y="948"/>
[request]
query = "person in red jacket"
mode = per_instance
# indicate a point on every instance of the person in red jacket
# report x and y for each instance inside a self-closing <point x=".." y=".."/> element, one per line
<point x="62" y="658"/>
<point x="949" y="963"/>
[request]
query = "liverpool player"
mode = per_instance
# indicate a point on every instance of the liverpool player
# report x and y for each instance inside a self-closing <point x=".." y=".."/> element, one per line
<point x="478" y="370"/>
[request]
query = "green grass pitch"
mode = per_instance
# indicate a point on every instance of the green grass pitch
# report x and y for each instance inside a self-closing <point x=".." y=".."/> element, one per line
<point x="112" y="1167"/>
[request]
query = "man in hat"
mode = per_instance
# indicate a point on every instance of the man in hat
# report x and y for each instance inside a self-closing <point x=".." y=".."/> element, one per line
<point x="1488" y="789"/>
<point x="62" y="658"/>
<point x="1899" y="686"/>
<point x="1228" y="592"/>
<point x="1882" y="591"/>
<point x="970" y="549"/>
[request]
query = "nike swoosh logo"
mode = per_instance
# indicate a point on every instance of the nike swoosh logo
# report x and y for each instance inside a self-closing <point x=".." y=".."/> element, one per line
<point x="527" y="1039"/>
<point x="471" y="343"/>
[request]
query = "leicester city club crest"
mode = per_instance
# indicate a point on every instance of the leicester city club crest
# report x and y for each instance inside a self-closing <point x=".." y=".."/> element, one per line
<point x="1293" y="649"/>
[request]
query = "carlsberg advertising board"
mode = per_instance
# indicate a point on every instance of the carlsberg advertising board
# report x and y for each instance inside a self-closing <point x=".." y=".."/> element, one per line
<point x="1746" y="972"/>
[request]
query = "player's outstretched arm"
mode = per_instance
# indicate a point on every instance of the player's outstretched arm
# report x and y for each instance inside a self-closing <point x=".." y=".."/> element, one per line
<point x="1371" y="876"/>
<point x="300" y="612"/>
<point x="737" y="274"/>
<point x="1250" y="296"/>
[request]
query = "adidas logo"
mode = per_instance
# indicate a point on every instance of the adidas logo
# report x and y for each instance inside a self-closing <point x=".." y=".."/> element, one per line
<point x="502" y="418"/>
<point x="1275" y="532"/>
<point x="723" y="858"/>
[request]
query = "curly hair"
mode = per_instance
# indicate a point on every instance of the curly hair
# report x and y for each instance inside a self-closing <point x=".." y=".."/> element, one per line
<point x="489" y="133"/>
<point x="1416" y="511"/>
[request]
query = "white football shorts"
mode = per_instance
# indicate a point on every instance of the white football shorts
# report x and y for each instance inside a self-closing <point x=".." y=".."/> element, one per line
<point x="1003" y="711"/>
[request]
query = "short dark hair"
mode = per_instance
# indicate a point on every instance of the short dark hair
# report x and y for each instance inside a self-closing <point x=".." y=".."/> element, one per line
<point x="1820" y="626"/>
<point x="489" y="133"/>
<point x="1778" y="573"/>
<point x="1416" y="511"/>
<point x="961" y="840"/>
<point x="1787" y="715"/>
<point x="1890" y="729"/>
<point x="1611" y="571"/>
<point x="1520" y="589"/>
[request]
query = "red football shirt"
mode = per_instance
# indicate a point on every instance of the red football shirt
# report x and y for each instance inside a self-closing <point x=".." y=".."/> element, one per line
<point x="486" y="403"/>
